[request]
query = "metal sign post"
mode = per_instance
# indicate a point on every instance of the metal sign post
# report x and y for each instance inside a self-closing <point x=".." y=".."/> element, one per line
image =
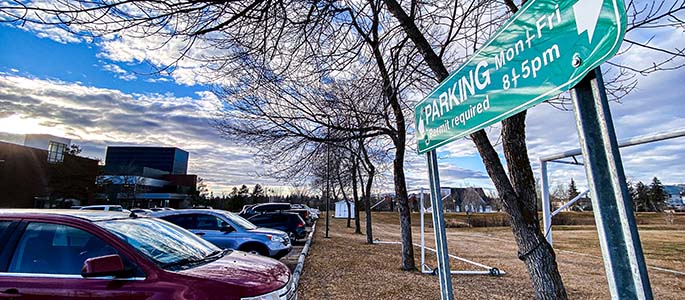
<point x="439" y="228"/>
<point x="624" y="262"/>
<point x="547" y="47"/>
<point x="423" y="235"/>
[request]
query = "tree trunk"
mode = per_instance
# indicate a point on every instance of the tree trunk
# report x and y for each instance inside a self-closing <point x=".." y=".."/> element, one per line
<point x="344" y="195"/>
<point x="518" y="191"/>
<point x="367" y="206"/>
<point x="403" y="203"/>
<point x="399" y="137"/>
<point x="366" y="193"/>
<point x="355" y="196"/>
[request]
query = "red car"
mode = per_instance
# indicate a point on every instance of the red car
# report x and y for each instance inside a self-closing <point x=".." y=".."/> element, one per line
<point x="68" y="254"/>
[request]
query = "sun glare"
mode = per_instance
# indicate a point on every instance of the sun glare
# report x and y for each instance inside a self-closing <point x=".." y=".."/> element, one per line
<point x="19" y="125"/>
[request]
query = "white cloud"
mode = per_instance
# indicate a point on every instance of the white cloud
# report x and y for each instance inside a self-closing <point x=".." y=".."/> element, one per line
<point x="121" y="73"/>
<point x="96" y="117"/>
<point x="161" y="52"/>
<point x="655" y="107"/>
<point x="160" y="79"/>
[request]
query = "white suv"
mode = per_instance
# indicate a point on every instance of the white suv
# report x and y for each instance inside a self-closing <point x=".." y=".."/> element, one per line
<point x="103" y="207"/>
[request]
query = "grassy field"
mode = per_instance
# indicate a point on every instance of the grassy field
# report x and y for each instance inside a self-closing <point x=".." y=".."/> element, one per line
<point x="344" y="267"/>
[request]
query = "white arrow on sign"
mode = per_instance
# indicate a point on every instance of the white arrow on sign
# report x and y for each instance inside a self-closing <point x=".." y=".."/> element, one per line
<point x="587" y="15"/>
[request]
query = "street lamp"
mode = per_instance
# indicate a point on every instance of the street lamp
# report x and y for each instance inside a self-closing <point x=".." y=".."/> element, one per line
<point x="328" y="174"/>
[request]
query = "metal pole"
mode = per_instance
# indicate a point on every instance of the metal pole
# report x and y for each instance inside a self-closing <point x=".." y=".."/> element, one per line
<point x="439" y="228"/>
<point x="546" y="215"/>
<point x="423" y="236"/>
<point x="328" y="187"/>
<point x="624" y="262"/>
<point x="634" y="141"/>
<point x="568" y="204"/>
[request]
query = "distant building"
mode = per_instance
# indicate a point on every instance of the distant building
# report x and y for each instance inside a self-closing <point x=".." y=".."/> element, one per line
<point x="43" y="141"/>
<point x="675" y="194"/>
<point x="167" y="159"/>
<point x="56" y="146"/>
<point x="470" y="199"/>
<point x="45" y="175"/>
<point x="146" y="177"/>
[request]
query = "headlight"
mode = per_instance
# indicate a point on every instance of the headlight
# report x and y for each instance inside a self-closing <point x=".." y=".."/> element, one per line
<point x="276" y="238"/>
<point x="270" y="296"/>
<point x="287" y="292"/>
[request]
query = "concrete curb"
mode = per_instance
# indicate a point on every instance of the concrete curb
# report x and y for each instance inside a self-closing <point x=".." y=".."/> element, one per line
<point x="300" y="261"/>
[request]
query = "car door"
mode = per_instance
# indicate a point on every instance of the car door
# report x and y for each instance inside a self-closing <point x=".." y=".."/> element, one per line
<point x="46" y="264"/>
<point x="209" y="227"/>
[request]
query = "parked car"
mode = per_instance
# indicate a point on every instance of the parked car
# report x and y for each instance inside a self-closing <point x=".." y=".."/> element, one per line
<point x="263" y="208"/>
<point x="103" y="207"/>
<point x="312" y="211"/>
<point x="245" y="208"/>
<point x="70" y="254"/>
<point x="160" y="208"/>
<point x="289" y="222"/>
<point x="274" y="207"/>
<point x="230" y="231"/>
<point x="141" y="211"/>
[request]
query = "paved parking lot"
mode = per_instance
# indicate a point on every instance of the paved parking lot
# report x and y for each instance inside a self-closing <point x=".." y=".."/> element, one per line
<point x="291" y="259"/>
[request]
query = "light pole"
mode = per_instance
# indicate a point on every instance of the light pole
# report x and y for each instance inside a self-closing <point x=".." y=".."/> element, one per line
<point x="328" y="186"/>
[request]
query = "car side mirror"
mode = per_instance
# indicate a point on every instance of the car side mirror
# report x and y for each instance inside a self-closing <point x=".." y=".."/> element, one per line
<point x="226" y="228"/>
<point x="108" y="265"/>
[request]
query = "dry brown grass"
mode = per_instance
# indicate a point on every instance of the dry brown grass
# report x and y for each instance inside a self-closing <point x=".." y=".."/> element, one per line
<point x="344" y="267"/>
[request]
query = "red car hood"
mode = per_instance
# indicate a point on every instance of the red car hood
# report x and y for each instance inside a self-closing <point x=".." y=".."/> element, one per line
<point x="255" y="274"/>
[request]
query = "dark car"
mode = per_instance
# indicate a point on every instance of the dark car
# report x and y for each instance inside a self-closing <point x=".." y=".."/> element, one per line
<point x="68" y="254"/>
<point x="289" y="222"/>
<point x="265" y="207"/>
<point x="275" y="207"/>
<point x="229" y="231"/>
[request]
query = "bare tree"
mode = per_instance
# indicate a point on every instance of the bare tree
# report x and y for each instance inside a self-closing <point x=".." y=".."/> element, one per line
<point x="294" y="44"/>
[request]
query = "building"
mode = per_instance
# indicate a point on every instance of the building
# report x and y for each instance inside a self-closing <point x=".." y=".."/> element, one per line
<point x="166" y="159"/>
<point x="146" y="177"/>
<point x="45" y="141"/>
<point x="675" y="194"/>
<point x="341" y="210"/>
<point x="470" y="199"/>
<point x="44" y="174"/>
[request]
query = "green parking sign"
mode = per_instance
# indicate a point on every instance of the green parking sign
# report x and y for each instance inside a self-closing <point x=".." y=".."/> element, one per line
<point x="543" y="50"/>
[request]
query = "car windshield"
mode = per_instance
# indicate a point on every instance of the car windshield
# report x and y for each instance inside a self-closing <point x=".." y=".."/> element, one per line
<point x="167" y="245"/>
<point x="239" y="221"/>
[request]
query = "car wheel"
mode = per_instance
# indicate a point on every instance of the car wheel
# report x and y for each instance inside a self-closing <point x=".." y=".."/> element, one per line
<point x="255" y="249"/>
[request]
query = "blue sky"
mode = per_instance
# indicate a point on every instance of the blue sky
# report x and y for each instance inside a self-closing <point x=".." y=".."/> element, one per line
<point x="100" y="93"/>
<point x="80" y="62"/>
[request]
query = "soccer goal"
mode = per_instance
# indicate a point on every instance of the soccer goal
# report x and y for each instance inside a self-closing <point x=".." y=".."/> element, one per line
<point x="426" y="269"/>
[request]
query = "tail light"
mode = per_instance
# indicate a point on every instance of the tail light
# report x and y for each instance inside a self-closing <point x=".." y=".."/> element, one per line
<point x="300" y="224"/>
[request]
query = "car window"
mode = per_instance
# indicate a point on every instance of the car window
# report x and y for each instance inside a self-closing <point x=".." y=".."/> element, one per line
<point x="55" y="249"/>
<point x="259" y="219"/>
<point x="167" y="245"/>
<point x="185" y="221"/>
<point x="3" y="226"/>
<point x="116" y="209"/>
<point x="237" y="221"/>
<point x="208" y="222"/>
